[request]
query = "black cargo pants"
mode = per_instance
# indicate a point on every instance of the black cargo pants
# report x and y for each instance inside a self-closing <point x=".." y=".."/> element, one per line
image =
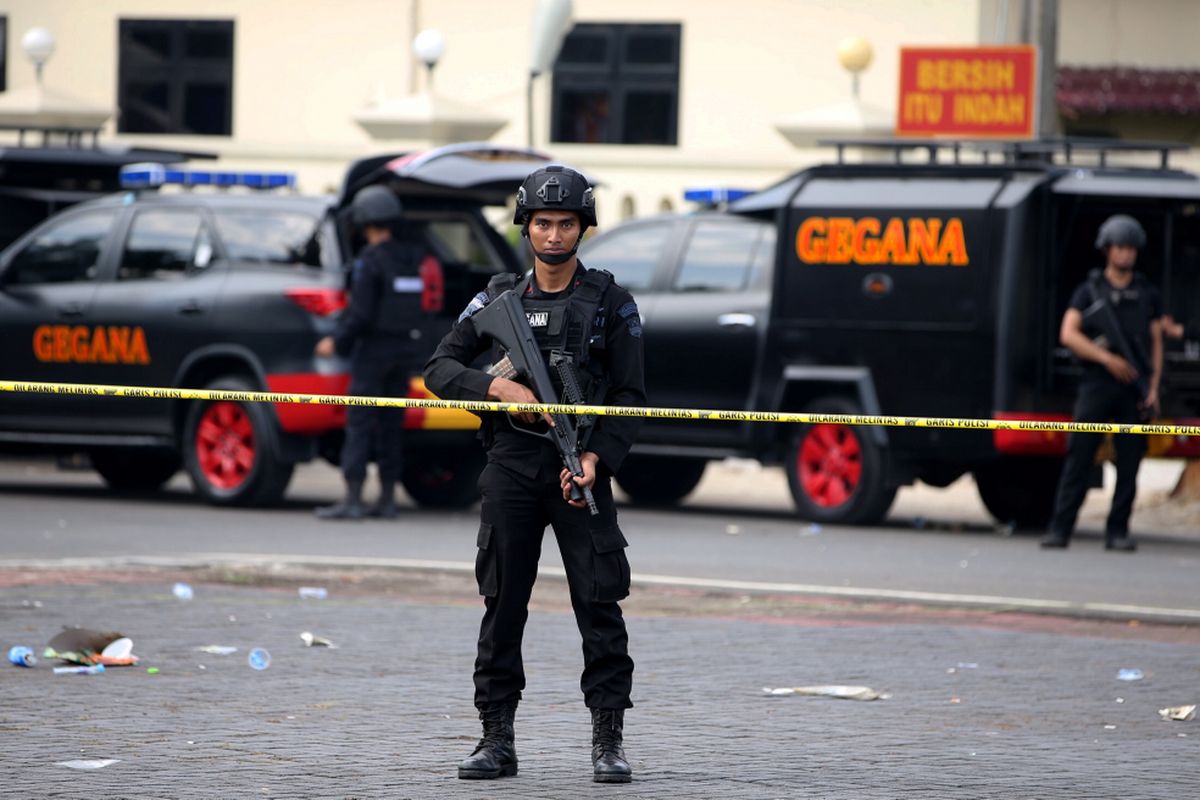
<point x="1098" y="401"/>
<point x="513" y="520"/>
<point x="377" y="369"/>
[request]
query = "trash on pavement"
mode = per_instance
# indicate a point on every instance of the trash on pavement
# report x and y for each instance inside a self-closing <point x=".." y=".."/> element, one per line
<point x="316" y="641"/>
<point x="839" y="692"/>
<point x="259" y="658"/>
<point x="183" y="591"/>
<point x="83" y="646"/>
<point x="20" y="656"/>
<point x="94" y="669"/>
<point x="313" y="592"/>
<point x="733" y="530"/>
<point x="217" y="649"/>
<point x="1130" y="675"/>
<point x="811" y="529"/>
<point x="1180" y="713"/>
<point x="88" y="763"/>
<point x="151" y="670"/>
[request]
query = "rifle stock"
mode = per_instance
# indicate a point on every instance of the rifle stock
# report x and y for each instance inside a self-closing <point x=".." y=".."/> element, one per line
<point x="504" y="320"/>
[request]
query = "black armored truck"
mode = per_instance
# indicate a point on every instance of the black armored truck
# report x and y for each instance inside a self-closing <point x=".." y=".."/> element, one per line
<point x="929" y="279"/>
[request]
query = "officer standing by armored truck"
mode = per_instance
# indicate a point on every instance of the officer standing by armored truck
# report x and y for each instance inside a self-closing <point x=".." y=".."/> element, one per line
<point x="380" y="332"/>
<point x="1113" y="324"/>
<point x="581" y="313"/>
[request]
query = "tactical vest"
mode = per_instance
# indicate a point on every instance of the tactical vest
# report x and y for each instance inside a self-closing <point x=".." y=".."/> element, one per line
<point x="398" y="312"/>
<point x="568" y="326"/>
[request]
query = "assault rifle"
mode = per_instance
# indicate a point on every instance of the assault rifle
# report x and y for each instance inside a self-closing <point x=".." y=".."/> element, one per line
<point x="1101" y="316"/>
<point x="504" y="321"/>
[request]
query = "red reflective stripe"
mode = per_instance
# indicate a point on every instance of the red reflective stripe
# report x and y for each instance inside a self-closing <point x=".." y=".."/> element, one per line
<point x="1031" y="443"/>
<point x="309" y="419"/>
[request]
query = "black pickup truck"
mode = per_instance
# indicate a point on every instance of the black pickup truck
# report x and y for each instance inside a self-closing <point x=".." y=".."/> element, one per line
<point x="900" y="286"/>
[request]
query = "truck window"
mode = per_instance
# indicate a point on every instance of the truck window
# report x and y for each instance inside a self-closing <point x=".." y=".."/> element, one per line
<point x="631" y="254"/>
<point x="718" y="256"/>
<point x="164" y="244"/>
<point x="269" y="236"/>
<point x="65" y="251"/>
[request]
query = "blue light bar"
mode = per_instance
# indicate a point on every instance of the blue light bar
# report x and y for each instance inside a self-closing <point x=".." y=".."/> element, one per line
<point x="714" y="195"/>
<point x="151" y="176"/>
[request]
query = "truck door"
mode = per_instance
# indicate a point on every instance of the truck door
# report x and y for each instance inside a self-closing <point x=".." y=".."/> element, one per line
<point x="49" y="283"/>
<point x="156" y="309"/>
<point x="708" y="325"/>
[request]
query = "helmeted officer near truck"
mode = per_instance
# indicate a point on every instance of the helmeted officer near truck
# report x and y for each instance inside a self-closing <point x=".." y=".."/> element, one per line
<point x="1112" y="388"/>
<point x="524" y="487"/>
<point x="380" y="332"/>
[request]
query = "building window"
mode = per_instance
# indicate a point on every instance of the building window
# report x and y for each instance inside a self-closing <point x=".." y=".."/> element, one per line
<point x="617" y="84"/>
<point x="3" y="54"/>
<point x="176" y="76"/>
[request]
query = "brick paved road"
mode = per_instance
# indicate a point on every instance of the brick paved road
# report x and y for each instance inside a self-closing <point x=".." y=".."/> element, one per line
<point x="388" y="714"/>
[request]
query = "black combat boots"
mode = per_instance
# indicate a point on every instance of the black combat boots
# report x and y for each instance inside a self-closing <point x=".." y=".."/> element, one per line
<point x="350" y="508"/>
<point x="608" y="757"/>
<point x="1119" y="541"/>
<point x="386" y="507"/>
<point x="495" y="756"/>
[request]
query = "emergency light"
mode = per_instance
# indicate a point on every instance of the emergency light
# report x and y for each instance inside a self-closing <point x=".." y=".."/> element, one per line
<point x="714" y="195"/>
<point x="151" y="176"/>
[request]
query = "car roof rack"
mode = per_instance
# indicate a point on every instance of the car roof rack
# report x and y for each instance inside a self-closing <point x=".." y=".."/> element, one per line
<point x="1062" y="151"/>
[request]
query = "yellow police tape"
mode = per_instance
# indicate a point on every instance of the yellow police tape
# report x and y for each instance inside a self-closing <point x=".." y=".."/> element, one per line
<point x="717" y="415"/>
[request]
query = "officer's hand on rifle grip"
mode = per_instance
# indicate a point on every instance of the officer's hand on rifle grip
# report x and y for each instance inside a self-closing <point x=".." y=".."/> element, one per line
<point x="588" y="462"/>
<point x="507" y="391"/>
<point x="1120" y="369"/>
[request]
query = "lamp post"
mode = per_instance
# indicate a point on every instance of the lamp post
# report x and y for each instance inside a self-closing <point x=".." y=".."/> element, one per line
<point x="38" y="44"/>
<point x="429" y="46"/>
<point x="855" y="54"/>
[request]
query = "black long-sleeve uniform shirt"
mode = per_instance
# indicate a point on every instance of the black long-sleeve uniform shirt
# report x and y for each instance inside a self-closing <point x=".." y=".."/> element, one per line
<point x="448" y="374"/>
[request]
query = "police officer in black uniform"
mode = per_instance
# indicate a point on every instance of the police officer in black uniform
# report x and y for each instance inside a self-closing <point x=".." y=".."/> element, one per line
<point x="380" y="331"/>
<point x="524" y="486"/>
<point x="1111" y="389"/>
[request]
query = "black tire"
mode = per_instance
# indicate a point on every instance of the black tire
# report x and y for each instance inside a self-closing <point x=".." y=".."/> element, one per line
<point x="135" y="470"/>
<point x="444" y="478"/>
<point x="230" y="450"/>
<point x="838" y="474"/>
<point x="659" y="480"/>
<point x="1019" y="490"/>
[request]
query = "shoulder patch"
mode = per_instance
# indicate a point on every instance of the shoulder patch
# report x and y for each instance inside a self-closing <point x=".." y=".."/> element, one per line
<point x="475" y="306"/>
<point x="633" y="320"/>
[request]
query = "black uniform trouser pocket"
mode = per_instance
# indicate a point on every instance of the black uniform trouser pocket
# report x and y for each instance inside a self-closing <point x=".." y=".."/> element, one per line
<point x="485" y="562"/>
<point x="610" y="566"/>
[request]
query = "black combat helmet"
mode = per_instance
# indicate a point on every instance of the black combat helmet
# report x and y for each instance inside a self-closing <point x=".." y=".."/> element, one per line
<point x="375" y="205"/>
<point x="1121" y="229"/>
<point x="555" y="188"/>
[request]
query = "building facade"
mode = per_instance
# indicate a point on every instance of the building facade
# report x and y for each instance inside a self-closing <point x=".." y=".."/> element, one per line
<point x="650" y="97"/>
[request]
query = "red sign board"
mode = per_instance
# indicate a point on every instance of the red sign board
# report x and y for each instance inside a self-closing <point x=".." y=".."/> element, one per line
<point x="972" y="92"/>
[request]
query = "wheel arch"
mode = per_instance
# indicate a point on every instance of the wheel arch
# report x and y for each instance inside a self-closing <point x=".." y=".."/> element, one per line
<point x="804" y="383"/>
<point x="206" y="365"/>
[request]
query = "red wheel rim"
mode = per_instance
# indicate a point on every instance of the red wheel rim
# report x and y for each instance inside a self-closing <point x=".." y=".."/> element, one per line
<point x="830" y="464"/>
<point x="225" y="445"/>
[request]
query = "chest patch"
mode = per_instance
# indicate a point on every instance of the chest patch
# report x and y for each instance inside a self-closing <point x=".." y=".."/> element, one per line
<point x="538" y="319"/>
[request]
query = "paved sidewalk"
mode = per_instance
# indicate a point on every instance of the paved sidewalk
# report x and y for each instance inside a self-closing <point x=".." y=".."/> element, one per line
<point x="388" y="714"/>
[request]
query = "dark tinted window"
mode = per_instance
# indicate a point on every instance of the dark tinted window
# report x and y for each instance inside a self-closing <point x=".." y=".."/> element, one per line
<point x="274" y="237"/>
<point x="165" y="244"/>
<point x="617" y="84"/>
<point x="175" y="76"/>
<point x="630" y="254"/>
<point x="66" y="250"/>
<point x="3" y="54"/>
<point x="718" y="257"/>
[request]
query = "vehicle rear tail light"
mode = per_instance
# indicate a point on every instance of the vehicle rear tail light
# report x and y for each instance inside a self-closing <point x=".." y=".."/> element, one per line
<point x="319" y="300"/>
<point x="433" y="295"/>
